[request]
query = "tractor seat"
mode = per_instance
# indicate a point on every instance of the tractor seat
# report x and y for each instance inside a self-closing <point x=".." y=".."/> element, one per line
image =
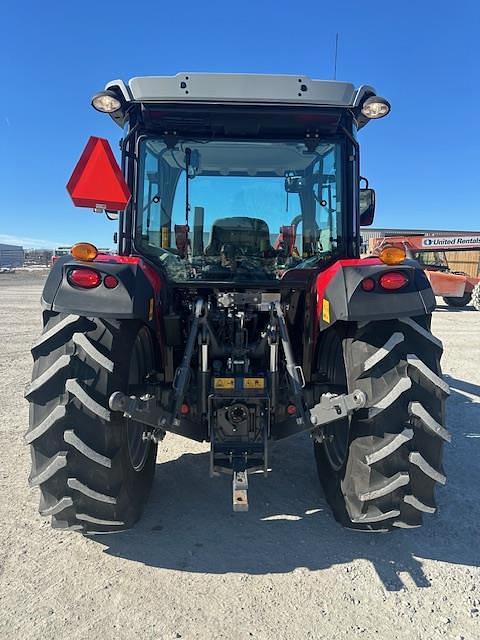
<point x="251" y="235"/>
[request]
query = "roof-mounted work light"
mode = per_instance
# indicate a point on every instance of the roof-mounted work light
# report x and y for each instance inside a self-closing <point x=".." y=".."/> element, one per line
<point x="106" y="102"/>
<point x="375" y="107"/>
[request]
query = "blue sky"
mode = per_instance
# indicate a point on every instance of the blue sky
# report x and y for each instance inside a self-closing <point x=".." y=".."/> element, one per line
<point x="423" y="56"/>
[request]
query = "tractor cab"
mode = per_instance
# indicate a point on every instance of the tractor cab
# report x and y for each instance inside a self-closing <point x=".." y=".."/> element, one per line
<point x="219" y="164"/>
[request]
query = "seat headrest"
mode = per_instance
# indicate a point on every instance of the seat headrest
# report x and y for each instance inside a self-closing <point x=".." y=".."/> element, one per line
<point x="252" y="234"/>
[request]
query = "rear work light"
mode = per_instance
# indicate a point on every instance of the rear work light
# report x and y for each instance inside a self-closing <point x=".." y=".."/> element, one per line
<point x="393" y="280"/>
<point x="107" y="102"/>
<point x="84" y="278"/>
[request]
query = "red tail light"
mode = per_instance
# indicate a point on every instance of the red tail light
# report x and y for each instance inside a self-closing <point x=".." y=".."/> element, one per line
<point x="110" y="282"/>
<point x="84" y="278"/>
<point x="393" y="280"/>
<point x="368" y="284"/>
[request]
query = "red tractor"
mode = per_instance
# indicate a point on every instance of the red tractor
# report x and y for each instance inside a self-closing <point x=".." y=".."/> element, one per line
<point x="237" y="310"/>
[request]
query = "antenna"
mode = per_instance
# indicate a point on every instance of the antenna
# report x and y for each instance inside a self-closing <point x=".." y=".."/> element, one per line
<point x="335" y="59"/>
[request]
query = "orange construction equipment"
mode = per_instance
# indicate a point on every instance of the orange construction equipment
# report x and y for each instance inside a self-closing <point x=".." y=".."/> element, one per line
<point x="430" y="251"/>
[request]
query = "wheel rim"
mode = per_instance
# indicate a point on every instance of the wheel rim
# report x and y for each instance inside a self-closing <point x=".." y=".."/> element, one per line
<point x="337" y="433"/>
<point x="138" y="447"/>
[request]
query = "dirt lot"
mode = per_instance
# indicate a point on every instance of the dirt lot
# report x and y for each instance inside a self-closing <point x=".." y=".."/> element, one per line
<point x="192" y="569"/>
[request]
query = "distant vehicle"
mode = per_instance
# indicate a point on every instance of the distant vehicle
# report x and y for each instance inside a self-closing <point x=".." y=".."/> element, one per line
<point x="58" y="253"/>
<point x="430" y="251"/>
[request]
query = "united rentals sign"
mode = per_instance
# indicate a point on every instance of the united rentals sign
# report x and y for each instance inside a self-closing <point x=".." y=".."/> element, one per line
<point x="452" y="242"/>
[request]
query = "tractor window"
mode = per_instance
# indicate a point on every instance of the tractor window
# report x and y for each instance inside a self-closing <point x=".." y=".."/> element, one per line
<point x="150" y="218"/>
<point x="432" y="258"/>
<point x="328" y="204"/>
<point x="238" y="209"/>
<point x="236" y="196"/>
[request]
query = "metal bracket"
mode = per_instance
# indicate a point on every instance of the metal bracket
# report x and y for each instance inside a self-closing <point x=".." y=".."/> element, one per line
<point x="335" y="407"/>
<point x="182" y="374"/>
<point x="295" y="376"/>
<point x="148" y="410"/>
<point x="156" y="436"/>
<point x="144" y="409"/>
<point x="240" y="491"/>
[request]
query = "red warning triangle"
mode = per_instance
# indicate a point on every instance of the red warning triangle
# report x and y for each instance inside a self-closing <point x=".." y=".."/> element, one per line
<point x="97" y="180"/>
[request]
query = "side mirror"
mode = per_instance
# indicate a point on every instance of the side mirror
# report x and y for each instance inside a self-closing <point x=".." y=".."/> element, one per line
<point x="367" y="207"/>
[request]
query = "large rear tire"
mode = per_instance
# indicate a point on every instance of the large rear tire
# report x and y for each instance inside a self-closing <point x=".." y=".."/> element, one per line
<point x="92" y="466"/>
<point x="380" y="467"/>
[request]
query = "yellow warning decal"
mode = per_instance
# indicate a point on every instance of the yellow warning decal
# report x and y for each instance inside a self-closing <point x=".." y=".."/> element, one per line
<point x="326" y="310"/>
<point x="224" y="383"/>
<point x="254" y="383"/>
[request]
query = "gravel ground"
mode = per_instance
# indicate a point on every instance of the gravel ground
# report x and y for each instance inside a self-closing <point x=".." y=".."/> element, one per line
<point x="193" y="569"/>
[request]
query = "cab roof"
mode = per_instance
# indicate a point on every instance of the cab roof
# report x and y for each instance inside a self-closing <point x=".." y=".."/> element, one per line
<point x="241" y="88"/>
<point x="235" y="89"/>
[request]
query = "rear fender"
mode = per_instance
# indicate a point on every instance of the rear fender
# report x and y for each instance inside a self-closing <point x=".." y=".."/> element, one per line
<point x="341" y="297"/>
<point x="137" y="295"/>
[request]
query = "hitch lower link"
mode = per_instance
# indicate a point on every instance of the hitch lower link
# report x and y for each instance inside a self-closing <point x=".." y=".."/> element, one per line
<point x="331" y="407"/>
<point x="144" y="409"/>
<point x="335" y="407"/>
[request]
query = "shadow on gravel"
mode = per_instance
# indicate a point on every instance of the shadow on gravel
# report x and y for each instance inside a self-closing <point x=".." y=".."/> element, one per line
<point x="445" y="307"/>
<point x="188" y="524"/>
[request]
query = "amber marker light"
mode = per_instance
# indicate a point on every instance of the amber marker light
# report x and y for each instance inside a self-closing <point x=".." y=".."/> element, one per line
<point x="392" y="255"/>
<point x="84" y="251"/>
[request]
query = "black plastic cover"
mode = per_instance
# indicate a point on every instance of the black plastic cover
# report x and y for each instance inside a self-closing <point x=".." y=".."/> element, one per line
<point x="347" y="301"/>
<point x="129" y="299"/>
